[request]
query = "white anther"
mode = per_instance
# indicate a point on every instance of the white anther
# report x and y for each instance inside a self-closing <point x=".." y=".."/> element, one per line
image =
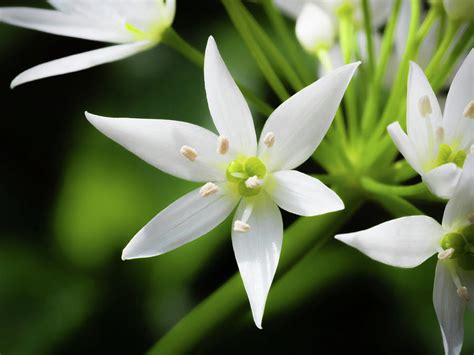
<point x="424" y="106"/>
<point x="253" y="182"/>
<point x="464" y="293"/>
<point x="242" y="227"/>
<point x="222" y="144"/>
<point x="469" y="110"/>
<point x="440" y="134"/>
<point x="269" y="139"/>
<point x="189" y="152"/>
<point x="446" y="254"/>
<point x="208" y="189"/>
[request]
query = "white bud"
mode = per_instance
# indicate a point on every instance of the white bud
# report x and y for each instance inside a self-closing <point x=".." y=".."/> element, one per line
<point x="424" y="106"/>
<point x="459" y="9"/>
<point x="222" y="144"/>
<point x="269" y="139"/>
<point x="315" y="28"/>
<point x="242" y="227"/>
<point x="464" y="293"/>
<point x="208" y="189"/>
<point x="469" y="110"/>
<point x="188" y="152"/>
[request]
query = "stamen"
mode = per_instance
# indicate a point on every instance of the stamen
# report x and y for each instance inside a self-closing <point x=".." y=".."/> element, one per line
<point x="446" y="254"/>
<point x="464" y="293"/>
<point x="208" y="189"/>
<point x="242" y="227"/>
<point x="424" y="106"/>
<point x="269" y="139"/>
<point x="253" y="182"/>
<point x="440" y="134"/>
<point x="188" y="152"/>
<point x="469" y="110"/>
<point x="222" y="144"/>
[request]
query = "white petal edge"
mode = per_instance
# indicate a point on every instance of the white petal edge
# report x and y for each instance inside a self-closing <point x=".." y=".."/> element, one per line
<point x="62" y="24"/>
<point x="301" y="122"/>
<point x="460" y="129"/>
<point x="404" y="242"/>
<point x="229" y="110"/>
<point x="461" y="205"/>
<point x="421" y="129"/>
<point x="78" y="62"/>
<point x="185" y="220"/>
<point x="302" y="194"/>
<point x="159" y="143"/>
<point x="405" y="145"/>
<point x="442" y="181"/>
<point x="449" y="309"/>
<point x="257" y="251"/>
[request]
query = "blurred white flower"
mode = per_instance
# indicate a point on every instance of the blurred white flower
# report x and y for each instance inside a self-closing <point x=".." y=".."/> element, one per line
<point x="459" y="9"/>
<point x="408" y="241"/>
<point x="134" y="25"/>
<point x="315" y="29"/>
<point x="235" y="168"/>
<point x="436" y="146"/>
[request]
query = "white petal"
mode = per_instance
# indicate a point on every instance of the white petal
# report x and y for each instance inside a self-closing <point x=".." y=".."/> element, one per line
<point x="80" y="62"/>
<point x="460" y="129"/>
<point x="467" y="280"/>
<point x="301" y="122"/>
<point x="257" y="251"/>
<point x="63" y="24"/>
<point x="229" y="110"/>
<point x="461" y="206"/>
<point x="181" y="222"/>
<point x="449" y="309"/>
<point x="315" y="28"/>
<point x="443" y="180"/>
<point x="421" y="129"/>
<point x="159" y="143"/>
<point x="404" y="145"/>
<point x="403" y="242"/>
<point x="303" y="195"/>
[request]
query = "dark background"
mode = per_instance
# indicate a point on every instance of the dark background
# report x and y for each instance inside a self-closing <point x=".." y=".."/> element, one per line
<point x="72" y="199"/>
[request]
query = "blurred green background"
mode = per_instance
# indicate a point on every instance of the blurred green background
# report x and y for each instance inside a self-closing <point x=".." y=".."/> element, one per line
<point x="72" y="199"/>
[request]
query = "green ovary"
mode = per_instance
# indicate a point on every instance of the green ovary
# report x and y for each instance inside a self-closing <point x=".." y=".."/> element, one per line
<point x="242" y="169"/>
<point x="446" y="155"/>
<point x="463" y="244"/>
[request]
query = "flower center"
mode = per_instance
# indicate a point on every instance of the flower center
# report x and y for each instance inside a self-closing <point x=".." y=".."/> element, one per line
<point x="446" y="155"/>
<point x="461" y="246"/>
<point x="247" y="173"/>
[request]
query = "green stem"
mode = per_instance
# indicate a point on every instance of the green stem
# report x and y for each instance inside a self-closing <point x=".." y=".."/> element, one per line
<point x="175" y="41"/>
<point x="397" y="206"/>
<point x="272" y="51"/>
<point x="368" y="36"/>
<point x="376" y="187"/>
<point x="371" y="108"/>
<point x="292" y="49"/>
<point x="234" y="10"/>
<point x="230" y="299"/>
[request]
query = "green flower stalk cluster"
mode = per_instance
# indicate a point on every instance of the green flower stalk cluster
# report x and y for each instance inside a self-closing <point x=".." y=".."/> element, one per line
<point x="313" y="75"/>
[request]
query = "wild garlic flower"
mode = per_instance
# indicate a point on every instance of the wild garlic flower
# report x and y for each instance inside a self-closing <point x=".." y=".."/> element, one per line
<point x="408" y="241"/>
<point x="436" y="146"/>
<point x="134" y="25"/>
<point x="316" y="20"/>
<point x="236" y="170"/>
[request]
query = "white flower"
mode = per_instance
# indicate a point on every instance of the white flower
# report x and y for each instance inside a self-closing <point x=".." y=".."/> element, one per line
<point x="409" y="241"/>
<point x="134" y="25"/>
<point x="235" y="168"/>
<point x="459" y="9"/>
<point x="436" y="147"/>
<point x="315" y="29"/>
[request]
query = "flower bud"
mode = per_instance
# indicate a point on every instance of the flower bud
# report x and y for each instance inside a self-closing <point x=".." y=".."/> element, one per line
<point x="315" y="28"/>
<point x="459" y="9"/>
